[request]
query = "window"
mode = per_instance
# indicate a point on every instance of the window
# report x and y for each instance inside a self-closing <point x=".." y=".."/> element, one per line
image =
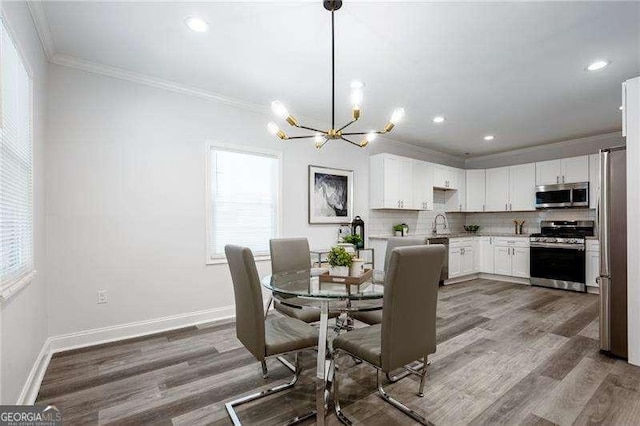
<point x="243" y="200"/>
<point x="16" y="169"/>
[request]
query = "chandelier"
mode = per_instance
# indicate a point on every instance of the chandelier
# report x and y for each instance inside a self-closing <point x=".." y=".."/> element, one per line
<point x="321" y="137"/>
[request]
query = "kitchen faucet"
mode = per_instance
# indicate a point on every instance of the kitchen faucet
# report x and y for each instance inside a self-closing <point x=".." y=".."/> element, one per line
<point x="435" y="223"/>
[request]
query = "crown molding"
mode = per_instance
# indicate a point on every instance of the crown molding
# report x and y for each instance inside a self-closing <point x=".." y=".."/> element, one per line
<point x="42" y="27"/>
<point x="159" y="83"/>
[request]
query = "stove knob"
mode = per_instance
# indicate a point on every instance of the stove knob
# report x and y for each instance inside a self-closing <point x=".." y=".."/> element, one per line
<point x="572" y="241"/>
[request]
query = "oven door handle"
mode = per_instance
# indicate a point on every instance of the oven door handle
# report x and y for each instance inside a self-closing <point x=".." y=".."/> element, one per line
<point x="579" y="247"/>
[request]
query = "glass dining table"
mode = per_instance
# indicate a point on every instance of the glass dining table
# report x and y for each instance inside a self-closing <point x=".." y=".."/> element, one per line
<point x="303" y="289"/>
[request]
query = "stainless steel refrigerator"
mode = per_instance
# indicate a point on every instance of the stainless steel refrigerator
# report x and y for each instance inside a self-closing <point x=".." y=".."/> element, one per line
<point x="612" y="220"/>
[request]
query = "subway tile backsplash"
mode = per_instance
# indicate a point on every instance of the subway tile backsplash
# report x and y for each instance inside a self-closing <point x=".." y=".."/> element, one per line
<point x="381" y="222"/>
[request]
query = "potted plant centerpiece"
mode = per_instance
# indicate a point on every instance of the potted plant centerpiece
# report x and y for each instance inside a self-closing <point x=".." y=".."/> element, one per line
<point x="340" y="261"/>
<point x="398" y="230"/>
<point x="354" y="239"/>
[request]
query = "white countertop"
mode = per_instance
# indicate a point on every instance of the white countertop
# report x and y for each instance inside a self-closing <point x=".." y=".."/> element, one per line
<point x="454" y="235"/>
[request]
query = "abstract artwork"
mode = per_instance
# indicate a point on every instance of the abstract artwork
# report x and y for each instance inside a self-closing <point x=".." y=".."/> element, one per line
<point x="330" y="195"/>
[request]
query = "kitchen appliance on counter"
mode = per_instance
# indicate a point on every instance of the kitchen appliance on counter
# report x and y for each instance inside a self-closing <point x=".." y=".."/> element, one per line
<point x="558" y="257"/>
<point x="564" y="195"/>
<point x="612" y="215"/>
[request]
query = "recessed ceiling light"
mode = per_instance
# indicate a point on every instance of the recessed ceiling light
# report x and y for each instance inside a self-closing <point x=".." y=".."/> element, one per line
<point x="598" y="65"/>
<point x="489" y="138"/>
<point x="438" y="119"/>
<point x="197" y="24"/>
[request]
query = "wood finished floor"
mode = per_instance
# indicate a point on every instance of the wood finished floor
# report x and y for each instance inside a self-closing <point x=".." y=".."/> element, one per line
<point x="507" y="353"/>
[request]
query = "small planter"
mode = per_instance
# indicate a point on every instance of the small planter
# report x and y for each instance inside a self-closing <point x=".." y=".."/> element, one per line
<point x="398" y="233"/>
<point x="339" y="271"/>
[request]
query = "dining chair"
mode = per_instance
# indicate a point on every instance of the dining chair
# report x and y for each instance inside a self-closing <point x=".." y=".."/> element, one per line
<point x="273" y="337"/>
<point x="375" y="317"/>
<point x="408" y="329"/>
<point x="292" y="254"/>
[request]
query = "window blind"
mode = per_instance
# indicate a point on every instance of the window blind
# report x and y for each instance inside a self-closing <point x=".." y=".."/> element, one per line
<point x="16" y="167"/>
<point x="243" y="200"/>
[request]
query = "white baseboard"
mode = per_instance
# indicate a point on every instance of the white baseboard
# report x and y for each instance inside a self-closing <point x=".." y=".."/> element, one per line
<point x="32" y="385"/>
<point x="98" y="336"/>
<point x="504" y="278"/>
<point x="593" y="290"/>
<point x="113" y="333"/>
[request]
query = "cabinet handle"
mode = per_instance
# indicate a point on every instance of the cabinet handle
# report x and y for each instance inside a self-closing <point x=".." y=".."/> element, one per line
<point x="505" y="207"/>
<point x="398" y="203"/>
<point x="483" y="207"/>
<point x="557" y="179"/>
<point x="510" y="207"/>
<point x="562" y="178"/>
<point x="402" y="203"/>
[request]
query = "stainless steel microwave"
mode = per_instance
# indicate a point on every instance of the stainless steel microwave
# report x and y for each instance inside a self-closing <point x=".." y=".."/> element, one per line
<point x="564" y="195"/>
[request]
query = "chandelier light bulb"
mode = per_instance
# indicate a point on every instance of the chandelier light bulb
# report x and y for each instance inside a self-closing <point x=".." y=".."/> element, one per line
<point x="356" y="98"/>
<point x="369" y="137"/>
<point x="318" y="138"/>
<point x="397" y="116"/>
<point x="273" y="128"/>
<point x="279" y="110"/>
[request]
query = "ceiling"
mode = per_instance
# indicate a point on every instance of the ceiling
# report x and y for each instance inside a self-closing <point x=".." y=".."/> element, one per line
<point x="514" y="70"/>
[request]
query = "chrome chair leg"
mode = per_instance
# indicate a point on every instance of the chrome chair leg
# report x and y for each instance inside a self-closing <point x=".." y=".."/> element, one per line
<point x="336" y="397"/>
<point x="408" y="370"/>
<point x="400" y="406"/>
<point x="258" y="395"/>
<point x="266" y="309"/>
<point x="424" y="376"/>
<point x="265" y="372"/>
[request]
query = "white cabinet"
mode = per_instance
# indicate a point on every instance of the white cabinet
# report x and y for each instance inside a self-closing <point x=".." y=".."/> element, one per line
<point x="522" y="187"/>
<point x="594" y="180"/>
<point x="477" y="259"/>
<point x="445" y="177"/>
<point x="422" y="185"/>
<point x="520" y="262"/>
<point x="566" y="170"/>
<point x="592" y="263"/>
<point x="575" y="169"/>
<point x="455" y="201"/>
<point x="486" y="262"/>
<point x="511" y="257"/>
<point x="497" y="189"/>
<point x="391" y="182"/>
<point x="502" y="260"/>
<point x="461" y="257"/>
<point x="455" y="262"/>
<point x="475" y="187"/>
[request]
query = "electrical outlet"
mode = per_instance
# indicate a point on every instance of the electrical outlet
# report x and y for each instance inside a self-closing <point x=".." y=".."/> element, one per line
<point x="102" y="297"/>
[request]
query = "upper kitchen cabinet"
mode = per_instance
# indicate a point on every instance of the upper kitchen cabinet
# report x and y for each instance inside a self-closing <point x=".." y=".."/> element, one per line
<point x="566" y="170"/>
<point x="475" y="187"/>
<point x="497" y="189"/>
<point x="594" y="180"/>
<point x="422" y="185"/>
<point x="510" y="188"/>
<point x="400" y="183"/>
<point x="522" y="187"/>
<point x="390" y="182"/>
<point x="446" y="177"/>
<point x="455" y="200"/>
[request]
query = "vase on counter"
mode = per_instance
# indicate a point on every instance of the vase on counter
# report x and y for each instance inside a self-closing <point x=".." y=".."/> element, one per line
<point x="357" y="268"/>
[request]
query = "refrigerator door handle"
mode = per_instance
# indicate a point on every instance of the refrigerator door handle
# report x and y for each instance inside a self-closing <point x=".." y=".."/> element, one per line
<point x="603" y="224"/>
<point x="605" y="313"/>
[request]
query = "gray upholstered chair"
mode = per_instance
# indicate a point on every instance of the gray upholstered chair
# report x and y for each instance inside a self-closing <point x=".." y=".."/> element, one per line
<point x="375" y="317"/>
<point x="292" y="254"/>
<point x="263" y="339"/>
<point x="408" y="329"/>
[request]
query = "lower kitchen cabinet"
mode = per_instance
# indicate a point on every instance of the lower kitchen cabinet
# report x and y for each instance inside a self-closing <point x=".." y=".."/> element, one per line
<point x="485" y="255"/>
<point x="511" y="257"/>
<point x="592" y="263"/>
<point x="461" y="257"/>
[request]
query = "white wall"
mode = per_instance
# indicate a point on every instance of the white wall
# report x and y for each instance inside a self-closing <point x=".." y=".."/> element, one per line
<point x="564" y="149"/>
<point x="126" y="197"/>
<point x="23" y="320"/>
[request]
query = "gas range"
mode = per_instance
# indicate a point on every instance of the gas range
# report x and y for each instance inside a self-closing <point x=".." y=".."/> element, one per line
<point x="558" y="254"/>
